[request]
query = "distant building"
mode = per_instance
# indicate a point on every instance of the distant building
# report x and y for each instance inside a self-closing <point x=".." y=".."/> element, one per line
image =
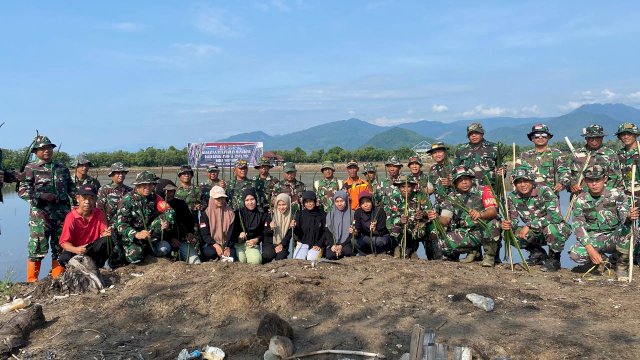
<point x="421" y="149"/>
<point x="274" y="158"/>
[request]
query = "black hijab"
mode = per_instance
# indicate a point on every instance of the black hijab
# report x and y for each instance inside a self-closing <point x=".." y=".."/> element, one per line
<point x="251" y="219"/>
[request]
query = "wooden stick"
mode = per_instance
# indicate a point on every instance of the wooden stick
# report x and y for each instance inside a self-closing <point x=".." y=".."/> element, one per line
<point x="344" y="352"/>
<point x="580" y="179"/>
<point x="416" y="348"/>
<point x="633" y="204"/>
<point x="507" y="242"/>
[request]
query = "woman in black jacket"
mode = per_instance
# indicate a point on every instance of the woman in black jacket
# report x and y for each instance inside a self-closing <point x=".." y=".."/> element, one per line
<point x="309" y="229"/>
<point x="372" y="235"/>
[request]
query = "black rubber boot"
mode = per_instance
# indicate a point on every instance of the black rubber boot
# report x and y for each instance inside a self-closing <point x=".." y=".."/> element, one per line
<point x="622" y="267"/>
<point x="552" y="264"/>
<point x="537" y="255"/>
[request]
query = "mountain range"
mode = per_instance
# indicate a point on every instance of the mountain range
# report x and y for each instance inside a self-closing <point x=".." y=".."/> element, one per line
<point x="354" y="133"/>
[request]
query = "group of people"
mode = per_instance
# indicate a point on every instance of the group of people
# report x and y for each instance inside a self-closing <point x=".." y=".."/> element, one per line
<point x="262" y="219"/>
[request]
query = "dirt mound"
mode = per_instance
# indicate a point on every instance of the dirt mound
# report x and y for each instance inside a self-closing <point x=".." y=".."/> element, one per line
<point x="370" y="304"/>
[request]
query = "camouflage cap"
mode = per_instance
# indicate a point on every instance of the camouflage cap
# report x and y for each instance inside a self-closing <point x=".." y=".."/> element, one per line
<point x="328" y="165"/>
<point x="393" y="161"/>
<point x="522" y="172"/>
<point x="627" y="127"/>
<point x="437" y="146"/>
<point x="118" y="167"/>
<point x="415" y="159"/>
<point x="594" y="172"/>
<point x="145" y="177"/>
<point x="289" y="167"/>
<point x="240" y="163"/>
<point x="264" y="161"/>
<point x="185" y="169"/>
<point x="539" y="128"/>
<point x="369" y="167"/>
<point x="404" y="179"/>
<point x="212" y="168"/>
<point x="81" y="159"/>
<point x="475" y="127"/>
<point x="352" y="163"/>
<point x="593" y="131"/>
<point x="41" y="141"/>
<point x="462" y="171"/>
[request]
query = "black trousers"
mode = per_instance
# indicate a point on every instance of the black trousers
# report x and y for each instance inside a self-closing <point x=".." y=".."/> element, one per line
<point x="269" y="253"/>
<point x="97" y="251"/>
<point x="347" y="250"/>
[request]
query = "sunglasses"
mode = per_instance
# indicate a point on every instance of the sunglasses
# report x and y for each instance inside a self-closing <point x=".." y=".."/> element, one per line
<point x="540" y="136"/>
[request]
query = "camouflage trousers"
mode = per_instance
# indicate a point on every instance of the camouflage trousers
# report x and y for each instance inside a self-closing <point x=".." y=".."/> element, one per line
<point x="45" y="228"/>
<point x="416" y="233"/>
<point x="135" y="250"/>
<point x="466" y="239"/>
<point x="554" y="235"/>
<point x="605" y="242"/>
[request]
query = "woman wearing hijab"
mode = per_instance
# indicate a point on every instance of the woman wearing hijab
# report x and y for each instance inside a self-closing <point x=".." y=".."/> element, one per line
<point x="339" y="228"/>
<point x="309" y="229"/>
<point x="216" y="226"/>
<point x="248" y="229"/>
<point x="278" y="230"/>
<point x="372" y="235"/>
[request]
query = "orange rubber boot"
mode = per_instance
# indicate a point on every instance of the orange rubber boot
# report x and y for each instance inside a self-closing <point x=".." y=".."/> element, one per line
<point x="56" y="269"/>
<point x="33" y="270"/>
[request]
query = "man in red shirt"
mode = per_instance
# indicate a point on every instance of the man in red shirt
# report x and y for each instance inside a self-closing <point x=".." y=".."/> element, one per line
<point x="85" y="230"/>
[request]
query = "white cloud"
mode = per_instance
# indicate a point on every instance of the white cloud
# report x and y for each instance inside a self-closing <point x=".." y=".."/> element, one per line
<point x="122" y="26"/>
<point x="279" y="5"/>
<point x="438" y="108"/>
<point x="530" y="110"/>
<point x="481" y="110"/>
<point x="197" y="49"/>
<point x="385" y="121"/>
<point x="635" y="97"/>
<point x="351" y="112"/>
<point x="218" y="22"/>
<point x="609" y="94"/>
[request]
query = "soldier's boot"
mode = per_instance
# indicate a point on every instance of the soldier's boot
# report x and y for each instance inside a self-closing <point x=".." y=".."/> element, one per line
<point x="490" y="250"/>
<point x="33" y="270"/>
<point x="622" y="267"/>
<point x="56" y="269"/>
<point x="537" y="255"/>
<point x="471" y="257"/>
<point x="552" y="264"/>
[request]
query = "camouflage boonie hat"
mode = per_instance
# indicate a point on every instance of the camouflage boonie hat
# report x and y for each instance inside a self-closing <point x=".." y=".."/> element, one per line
<point x="185" y="169"/>
<point x="328" y="165"/>
<point x="352" y="163"/>
<point x="415" y="159"/>
<point x="41" y="141"/>
<point x="118" y="167"/>
<point x="522" y="172"/>
<point x="592" y="131"/>
<point x="263" y="162"/>
<point x="145" y="177"/>
<point x="393" y="161"/>
<point x="630" y="128"/>
<point x="539" y="128"/>
<point x="437" y="146"/>
<point x="475" y="127"/>
<point x="240" y="163"/>
<point x="212" y="168"/>
<point x="289" y="167"/>
<point x="594" y="172"/>
<point x="462" y="171"/>
<point x="81" y="159"/>
<point x="404" y="179"/>
<point x="369" y="167"/>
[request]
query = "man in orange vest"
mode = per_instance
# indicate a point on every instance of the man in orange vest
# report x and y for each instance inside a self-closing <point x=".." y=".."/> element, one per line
<point x="354" y="185"/>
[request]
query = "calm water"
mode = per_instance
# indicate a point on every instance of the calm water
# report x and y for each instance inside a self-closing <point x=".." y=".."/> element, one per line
<point x="14" y="215"/>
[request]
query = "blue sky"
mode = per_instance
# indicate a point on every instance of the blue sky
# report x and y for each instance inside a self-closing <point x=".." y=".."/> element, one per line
<point x="125" y="74"/>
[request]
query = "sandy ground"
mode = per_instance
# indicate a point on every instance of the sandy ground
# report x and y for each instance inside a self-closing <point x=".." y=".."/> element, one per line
<point x="363" y="303"/>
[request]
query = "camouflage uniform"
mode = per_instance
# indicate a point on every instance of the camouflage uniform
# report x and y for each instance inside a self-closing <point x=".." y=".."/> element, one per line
<point x="191" y="195"/>
<point x="416" y="229"/>
<point x="385" y="188"/>
<point x="109" y="198"/>
<point x="324" y="192"/>
<point x="266" y="186"/>
<point x="234" y="191"/>
<point x="45" y="218"/>
<point x="293" y="188"/>
<point x="628" y="157"/>
<point x="603" y="156"/>
<point x="82" y="159"/>
<point x="137" y="213"/>
<point x="438" y="172"/>
<point x="550" y="167"/>
<point x="480" y="158"/>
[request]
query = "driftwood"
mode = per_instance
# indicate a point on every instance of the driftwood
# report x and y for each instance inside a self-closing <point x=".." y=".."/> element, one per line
<point x="81" y="275"/>
<point x="424" y="347"/>
<point x="343" y="352"/>
<point x="15" y="332"/>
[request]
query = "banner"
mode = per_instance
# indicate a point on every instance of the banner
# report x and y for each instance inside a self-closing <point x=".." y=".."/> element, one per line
<point x="223" y="154"/>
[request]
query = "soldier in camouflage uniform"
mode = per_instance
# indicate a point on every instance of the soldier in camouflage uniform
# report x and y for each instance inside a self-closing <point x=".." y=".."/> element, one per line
<point x="291" y="186"/>
<point x="478" y="155"/>
<point x="628" y="154"/>
<point x="326" y="187"/>
<point x="140" y="221"/>
<point x="238" y="185"/>
<point x="48" y="188"/>
<point x="602" y="220"/>
<point x="549" y="165"/>
<point x="382" y="193"/>
<point x="422" y="179"/>
<point x="265" y="183"/>
<point x="411" y="212"/>
<point x="600" y="155"/>
<point x="109" y="198"/>
<point x="82" y="164"/>
<point x="370" y="174"/>
<point x="440" y="172"/>
<point x="465" y="210"/>
<point x="212" y="173"/>
<point x="536" y="206"/>
<point x="188" y="192"/>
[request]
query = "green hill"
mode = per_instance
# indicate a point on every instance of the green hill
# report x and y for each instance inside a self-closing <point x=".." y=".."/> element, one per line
<point x="395" y="138"/>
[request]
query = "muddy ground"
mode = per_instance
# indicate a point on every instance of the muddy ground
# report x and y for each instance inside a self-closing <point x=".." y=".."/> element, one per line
<point x="363" y="303"/>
